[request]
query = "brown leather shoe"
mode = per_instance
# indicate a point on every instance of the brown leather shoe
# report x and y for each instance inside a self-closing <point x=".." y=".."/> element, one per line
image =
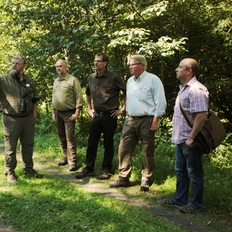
<point x="11" y="177"/>
<point x="120" y="183"/>
<point x="105" y="175"/>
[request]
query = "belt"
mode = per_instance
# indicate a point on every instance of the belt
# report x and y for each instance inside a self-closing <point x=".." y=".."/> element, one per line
<point x="102" y="113"/>
<point x="143" y="116"/>
<point x="66" y="110"/>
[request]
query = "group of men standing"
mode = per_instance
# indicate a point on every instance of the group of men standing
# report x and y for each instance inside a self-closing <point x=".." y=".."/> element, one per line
<point x="143" y="106"/>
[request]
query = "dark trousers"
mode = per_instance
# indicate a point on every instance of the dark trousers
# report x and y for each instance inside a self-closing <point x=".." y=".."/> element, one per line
<point x="105" y="125"/>
<point x="14" y="129"/>
<point x="66" y="133"/>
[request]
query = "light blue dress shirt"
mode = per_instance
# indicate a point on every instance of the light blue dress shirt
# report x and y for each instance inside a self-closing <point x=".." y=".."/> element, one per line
<point x="145" y="96"/>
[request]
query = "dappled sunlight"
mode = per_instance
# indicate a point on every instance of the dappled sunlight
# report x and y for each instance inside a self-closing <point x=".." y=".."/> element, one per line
<point x="65" y="206"/>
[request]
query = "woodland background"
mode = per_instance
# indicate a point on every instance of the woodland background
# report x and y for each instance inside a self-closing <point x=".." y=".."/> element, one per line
<point x="164" y="31"/>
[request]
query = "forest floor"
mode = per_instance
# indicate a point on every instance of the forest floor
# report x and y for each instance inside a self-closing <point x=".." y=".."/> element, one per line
<point x="203" y="221"/>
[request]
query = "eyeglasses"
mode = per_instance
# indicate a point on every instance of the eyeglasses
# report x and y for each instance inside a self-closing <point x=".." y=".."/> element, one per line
<point x="134" y="64"/>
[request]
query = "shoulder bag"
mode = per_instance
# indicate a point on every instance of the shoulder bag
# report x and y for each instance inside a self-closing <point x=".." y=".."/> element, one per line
<point x="212" y="133"/>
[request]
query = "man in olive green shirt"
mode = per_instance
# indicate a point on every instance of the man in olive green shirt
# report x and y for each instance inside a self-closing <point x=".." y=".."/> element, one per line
<point x="67" y="102"/>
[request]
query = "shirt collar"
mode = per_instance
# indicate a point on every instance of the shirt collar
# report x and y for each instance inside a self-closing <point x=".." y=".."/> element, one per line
<point x="140" y="77"/>
<point x="190" y="83"/>
<point x="65" y="78"/>
<point x="104" y="75"/>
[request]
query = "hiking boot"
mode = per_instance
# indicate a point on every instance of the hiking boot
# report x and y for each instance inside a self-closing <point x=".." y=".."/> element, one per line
<point x="73" y="167"/>
<point x="144" y="185"/>
<point x="85" y="172"/>
<point x="120" y="183"/>
<point x="105" y="175"/>
<point x="11" y="177"/>
<point x="63" y="162"/>
<point x="32" y="172"/>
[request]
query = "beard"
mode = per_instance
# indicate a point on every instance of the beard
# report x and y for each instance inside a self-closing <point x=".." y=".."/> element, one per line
<point x="15" y="72"/>
<point x="59" y="73"/>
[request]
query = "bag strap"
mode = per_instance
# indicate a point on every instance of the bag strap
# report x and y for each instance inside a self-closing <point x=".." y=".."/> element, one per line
<point x="185" y="116"/>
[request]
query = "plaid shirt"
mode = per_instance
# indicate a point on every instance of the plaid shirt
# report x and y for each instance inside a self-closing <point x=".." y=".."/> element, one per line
<point x="12" y="92"/>
<point x="193" y="98"/>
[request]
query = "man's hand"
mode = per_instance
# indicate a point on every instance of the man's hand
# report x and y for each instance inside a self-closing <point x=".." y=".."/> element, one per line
<point x="91" y="112"/>
<point x="116" y="113"/>
<point x="73" y="117"/>
<point x="189" y="142"/>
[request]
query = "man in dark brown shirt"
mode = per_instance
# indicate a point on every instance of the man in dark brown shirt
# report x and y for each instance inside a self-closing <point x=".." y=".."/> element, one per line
<point x="102" y="96"/>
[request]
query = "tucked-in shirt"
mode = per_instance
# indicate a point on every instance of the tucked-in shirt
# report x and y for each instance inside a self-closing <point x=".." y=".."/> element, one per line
<point x="67" y="94"/>
<point x="104" y="90"/>
<point x="12" y="91"/>
<point x="193" y="98"/>
<point x="145" y="96"/>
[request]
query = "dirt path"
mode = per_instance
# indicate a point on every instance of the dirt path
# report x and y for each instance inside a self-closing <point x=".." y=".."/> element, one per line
<point x="185" y="221"/>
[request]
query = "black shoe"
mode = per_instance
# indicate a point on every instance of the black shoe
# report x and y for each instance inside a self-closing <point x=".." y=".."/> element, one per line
<point x="73" y="167"/>
<point x="120" y="183"/>
<point x="84" y="173"/>
<point x="144" y="185"/>
<point x="105" y="175"/>
<point x="33" y="173"/>
<point x="63" y="162"/>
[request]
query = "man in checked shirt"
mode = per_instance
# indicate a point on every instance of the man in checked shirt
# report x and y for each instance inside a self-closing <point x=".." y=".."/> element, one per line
<point x="193" y="98"/>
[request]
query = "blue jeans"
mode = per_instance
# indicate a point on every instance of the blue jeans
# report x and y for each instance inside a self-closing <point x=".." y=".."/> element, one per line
<point x="189" y="172"/>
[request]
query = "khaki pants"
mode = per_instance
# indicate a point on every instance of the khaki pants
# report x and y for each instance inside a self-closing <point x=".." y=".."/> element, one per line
<point x="66" y="133"/>
<point x="14" y="129"/>
<point x="136" y="129"/>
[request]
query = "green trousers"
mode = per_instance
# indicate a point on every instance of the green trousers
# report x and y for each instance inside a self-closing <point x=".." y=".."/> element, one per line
<point x="20" y="129"/>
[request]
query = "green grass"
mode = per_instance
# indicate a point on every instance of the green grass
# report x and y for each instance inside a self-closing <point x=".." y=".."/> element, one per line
<point x="53" y="204"/>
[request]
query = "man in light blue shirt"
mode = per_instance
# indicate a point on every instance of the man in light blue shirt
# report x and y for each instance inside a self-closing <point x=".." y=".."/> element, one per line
<point x="146" y="103"/>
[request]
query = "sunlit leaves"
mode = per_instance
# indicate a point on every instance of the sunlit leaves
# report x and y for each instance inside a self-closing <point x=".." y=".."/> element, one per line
<point x="155" y="10"/>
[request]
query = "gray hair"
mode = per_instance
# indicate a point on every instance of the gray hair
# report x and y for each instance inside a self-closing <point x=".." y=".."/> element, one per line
<point x="20" y="57"/>
<point x="141" y="59"/>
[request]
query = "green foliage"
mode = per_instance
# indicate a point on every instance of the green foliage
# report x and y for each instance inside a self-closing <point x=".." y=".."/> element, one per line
<point x="158" y="29"/>
<point x="218" y="173"/>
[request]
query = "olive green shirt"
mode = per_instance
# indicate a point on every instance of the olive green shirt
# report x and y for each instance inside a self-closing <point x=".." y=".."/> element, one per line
<point x="67" y="94"/>
<point x="12" y="91"/>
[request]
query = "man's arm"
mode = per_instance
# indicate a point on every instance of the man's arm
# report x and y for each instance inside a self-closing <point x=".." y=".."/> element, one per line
<point x="35" y="108"/>
<point x="89" y="104"/>
<point x="117" y="112"/>
<point x="197" y="126"/>
<point x="154" y="124"/>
